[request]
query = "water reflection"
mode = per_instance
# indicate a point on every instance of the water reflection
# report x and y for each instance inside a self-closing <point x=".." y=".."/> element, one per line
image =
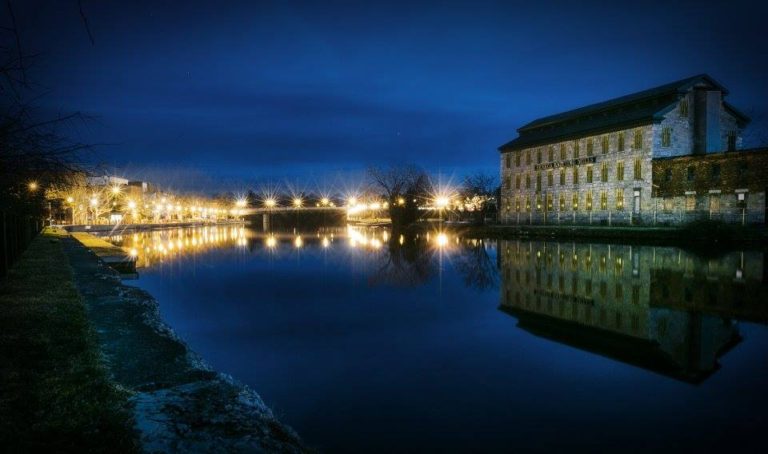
<point x="659" y="308"/>
<point x="401" y="259"/>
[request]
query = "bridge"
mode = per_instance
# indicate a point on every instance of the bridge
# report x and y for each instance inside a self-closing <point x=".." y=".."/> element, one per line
<point x="276" y="210"/>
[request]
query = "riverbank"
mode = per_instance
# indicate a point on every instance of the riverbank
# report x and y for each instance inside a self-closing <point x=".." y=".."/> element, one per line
<point x="157" y="394"/>
<point x="57" y="394"/>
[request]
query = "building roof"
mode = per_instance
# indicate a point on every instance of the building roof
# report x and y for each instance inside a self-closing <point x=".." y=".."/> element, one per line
<point x="643" y="107"/>
<point x="644" y="353"/>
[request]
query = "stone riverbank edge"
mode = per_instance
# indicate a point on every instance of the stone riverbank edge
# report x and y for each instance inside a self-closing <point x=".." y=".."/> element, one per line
<point x="179" y="402"/>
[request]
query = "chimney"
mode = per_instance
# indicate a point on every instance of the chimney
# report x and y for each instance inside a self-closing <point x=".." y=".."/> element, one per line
<point x="706" y="121"/>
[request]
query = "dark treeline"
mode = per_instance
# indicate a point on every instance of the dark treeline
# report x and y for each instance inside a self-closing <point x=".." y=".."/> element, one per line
<point x="35" y="157"/>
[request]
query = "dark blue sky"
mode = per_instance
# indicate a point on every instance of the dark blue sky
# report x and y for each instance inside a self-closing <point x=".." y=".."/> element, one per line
<point x="203" y="93"/>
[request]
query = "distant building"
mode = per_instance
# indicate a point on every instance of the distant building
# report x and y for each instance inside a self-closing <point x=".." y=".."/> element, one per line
<point x="107" y="180"/>
<point x="665" y="155"/>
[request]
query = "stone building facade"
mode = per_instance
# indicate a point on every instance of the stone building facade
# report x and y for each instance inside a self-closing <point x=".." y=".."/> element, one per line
<point x="596" y="164"/>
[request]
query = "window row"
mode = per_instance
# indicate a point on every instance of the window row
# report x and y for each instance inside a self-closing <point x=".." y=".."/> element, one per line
<point x="566" y="202"/>
<point x="573" y="149"/>
<point x="527" y="179"/>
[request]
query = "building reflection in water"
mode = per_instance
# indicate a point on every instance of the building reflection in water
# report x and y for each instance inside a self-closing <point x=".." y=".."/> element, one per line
<point x="659" y="308"/>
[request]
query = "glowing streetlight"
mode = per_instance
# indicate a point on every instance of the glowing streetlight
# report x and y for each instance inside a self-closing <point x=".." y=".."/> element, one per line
<point x="115" y="190"/>
<point x="94" y="202"/>
<point x="70" y="199"/>
<point x="33" y="186"/>
<point x="240" y="203"/>
<point x="270" y="202"/>
<point x="297" y="202"/>
<point x="324" y="201"/>
<point x="132" y="205"/>
<point x="271" y="242"/>
<point x="352" y="201"/>
<point x="400" y="201"/>
<point x="442" y="201"/>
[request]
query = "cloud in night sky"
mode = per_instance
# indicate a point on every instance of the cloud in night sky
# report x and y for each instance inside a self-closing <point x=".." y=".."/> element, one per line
<point x="247" y="91"/>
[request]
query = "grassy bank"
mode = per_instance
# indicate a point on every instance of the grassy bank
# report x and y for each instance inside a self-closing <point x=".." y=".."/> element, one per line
<point x="56" y="395"/>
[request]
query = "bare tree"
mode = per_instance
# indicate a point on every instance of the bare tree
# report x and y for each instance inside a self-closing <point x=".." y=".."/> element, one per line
<point x="33" y="151"/>
<point x="404" y="186"/>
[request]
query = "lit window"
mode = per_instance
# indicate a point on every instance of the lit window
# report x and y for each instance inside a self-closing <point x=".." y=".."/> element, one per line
<point x="684" y="107"/>
<point x="690" y="202"/>
<point x="620" y="171"/>
<point x="527" y="181"/>
<point x="517" y="181"/>
<point x="638" y="139"/>
<point x="604" y="172"/>
<point x="621" y="141"/>
<point x="588" y="204"/>
<point x="550" y="179"/>
<point x="575" y="201"/>
<point x="527" y="204"/>
<point x="667" y="204"/>
<point x="589" y="174"/>
<point x="619" y="199"/>
<point x="638" y="169"/>
<point x="714" y="203"/>
<point x="549" y="202"/>
<point x="575" y="174"/>
<point x="538" y="181"/>
<point x="562" y="202"/>
<point x="603" y="200"/>
<point x="604" y="144"/>
<point x="590" y="147"/>
<point x="666" y="136"/>
<point x="517" y="204"/>
<point x="562" y="176"/>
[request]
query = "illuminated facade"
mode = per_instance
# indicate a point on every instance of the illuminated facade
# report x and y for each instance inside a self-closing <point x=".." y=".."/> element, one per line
<point x="598" y="164"/>
<point x="658" y="308"/>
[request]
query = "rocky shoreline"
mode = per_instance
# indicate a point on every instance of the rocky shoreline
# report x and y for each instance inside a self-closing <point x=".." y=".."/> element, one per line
<point x="179" y="402"/>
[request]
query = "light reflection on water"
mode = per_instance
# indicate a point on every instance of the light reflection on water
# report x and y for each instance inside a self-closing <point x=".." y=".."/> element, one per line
<point x="368" y="340"/>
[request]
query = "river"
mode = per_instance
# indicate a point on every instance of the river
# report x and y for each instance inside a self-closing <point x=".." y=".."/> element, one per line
<point x="365" y="341"/>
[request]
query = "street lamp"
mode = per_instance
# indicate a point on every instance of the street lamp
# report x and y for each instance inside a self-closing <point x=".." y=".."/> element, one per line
<point x="33" y="186"/>
<point x="297" y="202"/>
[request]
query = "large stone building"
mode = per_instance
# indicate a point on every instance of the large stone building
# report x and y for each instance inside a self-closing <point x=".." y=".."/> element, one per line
<point x="670" y="155"/>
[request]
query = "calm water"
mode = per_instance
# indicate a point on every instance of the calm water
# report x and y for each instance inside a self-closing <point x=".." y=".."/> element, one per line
<point x="364" y="341"/>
